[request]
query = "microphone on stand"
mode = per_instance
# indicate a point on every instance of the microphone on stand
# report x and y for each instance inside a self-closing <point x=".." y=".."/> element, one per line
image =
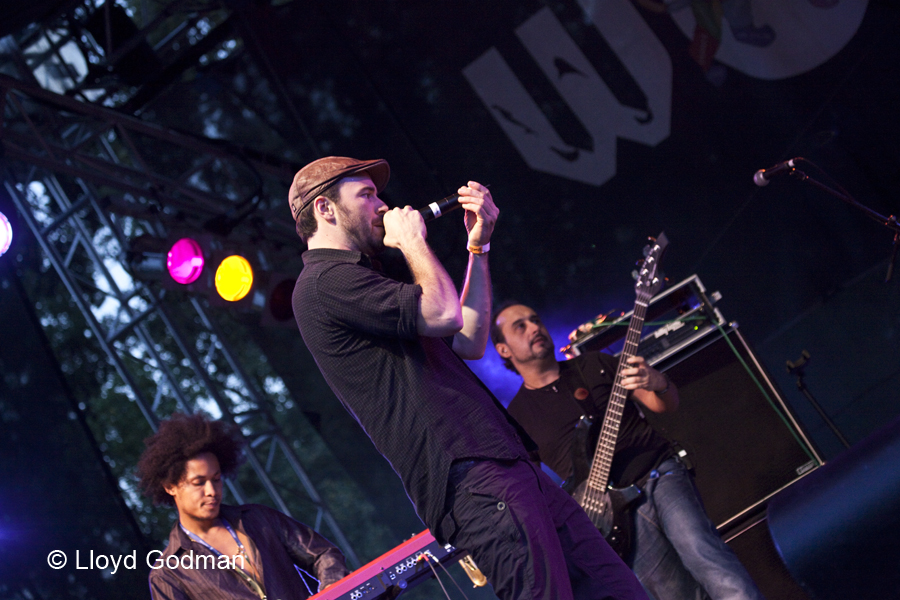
<point x="763" y="176"/>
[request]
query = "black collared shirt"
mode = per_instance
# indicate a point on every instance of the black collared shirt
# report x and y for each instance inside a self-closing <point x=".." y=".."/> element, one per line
<point x="415" y="398"/>
<point x="278" y="544"/>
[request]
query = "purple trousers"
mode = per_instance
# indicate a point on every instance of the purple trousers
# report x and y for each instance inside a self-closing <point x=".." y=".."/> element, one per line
<point x="530" y="538"/>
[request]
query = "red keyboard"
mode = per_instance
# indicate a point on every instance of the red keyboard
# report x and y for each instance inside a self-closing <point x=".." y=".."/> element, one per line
<point x="392" y="572"/>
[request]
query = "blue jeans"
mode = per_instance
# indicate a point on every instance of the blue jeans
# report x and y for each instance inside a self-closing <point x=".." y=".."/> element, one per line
<point x="678" y="553"/>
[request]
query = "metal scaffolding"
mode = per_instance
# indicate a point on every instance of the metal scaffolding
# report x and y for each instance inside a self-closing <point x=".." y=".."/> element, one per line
<point x="87" y="181"/>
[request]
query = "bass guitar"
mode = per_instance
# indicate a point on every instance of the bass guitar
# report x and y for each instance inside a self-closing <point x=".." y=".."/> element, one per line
<point x="607" y="506"/>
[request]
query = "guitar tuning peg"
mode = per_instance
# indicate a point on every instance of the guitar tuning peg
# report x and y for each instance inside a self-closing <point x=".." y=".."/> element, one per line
<point x="647" y="250"/>
<point x="639" y="263"/>
<point x="635" y="274"/>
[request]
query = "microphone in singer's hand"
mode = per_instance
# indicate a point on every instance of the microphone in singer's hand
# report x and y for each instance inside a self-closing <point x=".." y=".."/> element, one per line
<point x="763" y="176"/>
<point x="436" y="209"/>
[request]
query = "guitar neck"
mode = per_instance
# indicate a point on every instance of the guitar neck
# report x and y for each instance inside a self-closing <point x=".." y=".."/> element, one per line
<point x="609" y="433"/>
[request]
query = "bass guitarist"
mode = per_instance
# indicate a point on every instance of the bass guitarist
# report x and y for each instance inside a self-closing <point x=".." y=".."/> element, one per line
<point x="675" y="552"/>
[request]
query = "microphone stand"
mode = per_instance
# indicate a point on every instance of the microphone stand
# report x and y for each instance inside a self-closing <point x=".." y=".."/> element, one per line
<point x="889" y="222"/>
<point x="798" y="368"/>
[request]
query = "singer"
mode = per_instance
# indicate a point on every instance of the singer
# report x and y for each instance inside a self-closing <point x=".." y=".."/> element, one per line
<point x="392" y="353"/>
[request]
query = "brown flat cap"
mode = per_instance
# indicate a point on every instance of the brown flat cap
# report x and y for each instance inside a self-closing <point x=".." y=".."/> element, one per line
<point x="319" y="175"/>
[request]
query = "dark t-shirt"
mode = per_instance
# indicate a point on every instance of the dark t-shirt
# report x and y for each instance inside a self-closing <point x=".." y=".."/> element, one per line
<point x="416" y="399"/>
<point x="550" y="415"/>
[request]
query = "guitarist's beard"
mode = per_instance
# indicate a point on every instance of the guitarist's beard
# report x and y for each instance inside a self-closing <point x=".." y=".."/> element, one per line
<point x="544" y="346"/>
<point x="540" y="351"/>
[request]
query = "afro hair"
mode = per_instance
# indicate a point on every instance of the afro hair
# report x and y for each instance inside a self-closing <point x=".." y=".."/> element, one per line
<point x="179" y="439"/>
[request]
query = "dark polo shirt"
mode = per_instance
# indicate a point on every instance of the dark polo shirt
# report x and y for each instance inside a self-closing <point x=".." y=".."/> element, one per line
<point x="415" y="398"/>
<point x="278" y="544"/>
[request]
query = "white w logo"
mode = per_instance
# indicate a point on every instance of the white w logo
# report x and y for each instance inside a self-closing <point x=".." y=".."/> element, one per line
<point x="582" y="88"/>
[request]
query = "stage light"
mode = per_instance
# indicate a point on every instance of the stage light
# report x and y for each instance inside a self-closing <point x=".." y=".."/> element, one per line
<point x="280" y="304"/>
<point x="278" y="310"/>
<point x="185" y="261"/>
<point x="234" y="278"/>
<point x="6" y="234"/>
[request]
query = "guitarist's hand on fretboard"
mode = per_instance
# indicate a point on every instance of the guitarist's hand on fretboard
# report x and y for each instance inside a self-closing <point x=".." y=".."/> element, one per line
<point x="640" y="375"/>
<point x="648" y="386"/>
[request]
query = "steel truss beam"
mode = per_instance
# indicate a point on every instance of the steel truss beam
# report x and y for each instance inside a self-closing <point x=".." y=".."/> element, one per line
<point x="153" y="167"/>
<point x="82" y="155"/>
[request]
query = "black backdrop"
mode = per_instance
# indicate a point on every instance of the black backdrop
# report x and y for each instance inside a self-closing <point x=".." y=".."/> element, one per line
<point x="394" y="72"/>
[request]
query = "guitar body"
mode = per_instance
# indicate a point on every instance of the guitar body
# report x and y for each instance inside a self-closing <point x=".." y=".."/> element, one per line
<point x="608" y="509"/>
<point x="609" y="512"/>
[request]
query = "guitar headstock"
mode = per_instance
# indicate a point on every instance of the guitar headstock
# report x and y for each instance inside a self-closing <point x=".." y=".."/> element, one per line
<point x="649" y="279"/>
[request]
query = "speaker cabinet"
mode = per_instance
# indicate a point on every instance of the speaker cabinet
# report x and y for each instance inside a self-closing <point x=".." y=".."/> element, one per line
<point x="741" y="439"/>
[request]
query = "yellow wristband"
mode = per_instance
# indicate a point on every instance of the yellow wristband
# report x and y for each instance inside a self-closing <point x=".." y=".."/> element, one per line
<point x="480" y="249"/>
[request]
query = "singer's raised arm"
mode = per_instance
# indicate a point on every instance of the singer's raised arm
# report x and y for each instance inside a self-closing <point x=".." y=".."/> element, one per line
<point x="439" y="307"/>
<point x="480" y="218"/>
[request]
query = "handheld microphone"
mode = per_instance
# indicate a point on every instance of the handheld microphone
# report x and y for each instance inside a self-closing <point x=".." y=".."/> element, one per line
<point x="763" y="176"/>
<point x="436" y="209"/>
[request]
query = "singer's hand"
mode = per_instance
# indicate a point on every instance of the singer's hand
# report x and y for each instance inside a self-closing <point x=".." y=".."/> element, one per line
<point x="481" y="212"/>
<point x="403" y="227"/>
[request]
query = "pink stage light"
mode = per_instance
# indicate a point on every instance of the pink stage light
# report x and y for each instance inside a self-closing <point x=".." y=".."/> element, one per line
<point x="185" y="261"/>
<point x="6" y="234"/>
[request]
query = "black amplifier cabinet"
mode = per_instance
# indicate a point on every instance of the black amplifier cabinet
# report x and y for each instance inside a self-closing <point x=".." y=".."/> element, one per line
<point x="735" y="427"/>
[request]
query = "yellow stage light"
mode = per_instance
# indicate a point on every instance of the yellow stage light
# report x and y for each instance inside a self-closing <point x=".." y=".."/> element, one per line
<point x="234" y="278"/>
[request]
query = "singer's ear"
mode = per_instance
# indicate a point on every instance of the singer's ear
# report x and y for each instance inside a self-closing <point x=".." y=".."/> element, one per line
<point x="324" y="208"/>
<point x="502" y="349"/>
